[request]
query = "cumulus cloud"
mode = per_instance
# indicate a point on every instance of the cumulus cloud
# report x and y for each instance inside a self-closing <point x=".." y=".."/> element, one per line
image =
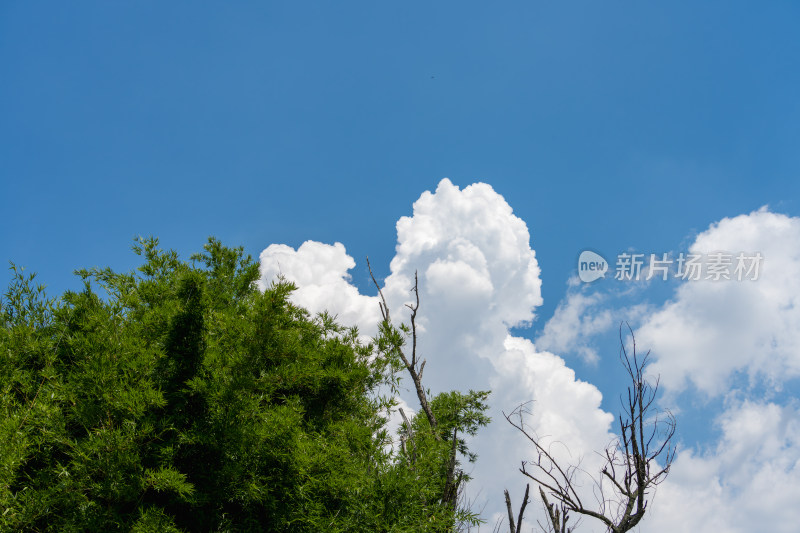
<point x="320" y="273"/>
<point x="564" y="413"/>
<point x="713" y="330"/>
<point x="561" y="402"/>
<point x="478" y="277"/>
<point x="473" y="234"/>
<point x="750" y="481"/>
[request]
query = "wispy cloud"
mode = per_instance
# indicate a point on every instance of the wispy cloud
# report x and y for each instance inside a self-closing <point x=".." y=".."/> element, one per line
<point x="576" y="320"/>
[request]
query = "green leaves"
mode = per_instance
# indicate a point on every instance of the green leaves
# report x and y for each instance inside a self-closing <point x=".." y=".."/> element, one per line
<point x="179" y="398"/>
<point x="167" y="479"/>
<point x="463" y="413"/>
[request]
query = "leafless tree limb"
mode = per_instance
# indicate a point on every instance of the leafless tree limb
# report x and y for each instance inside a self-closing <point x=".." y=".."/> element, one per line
<point x="511" y="526"/>
<point x="558" y="516"/>
<point x="411" y="365"/>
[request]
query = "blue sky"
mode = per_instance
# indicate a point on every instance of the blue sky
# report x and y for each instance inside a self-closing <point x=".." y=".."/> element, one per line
<point x="607" y="127"/>
<point x="603" y="126"/>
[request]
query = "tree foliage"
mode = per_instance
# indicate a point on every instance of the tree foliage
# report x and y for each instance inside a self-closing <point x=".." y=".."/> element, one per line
<point x="178" y="397"/>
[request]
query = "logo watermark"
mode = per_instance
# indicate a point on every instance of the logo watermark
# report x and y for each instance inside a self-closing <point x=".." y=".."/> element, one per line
<point x="591" y="266"/>
<point x="714" y="266"/>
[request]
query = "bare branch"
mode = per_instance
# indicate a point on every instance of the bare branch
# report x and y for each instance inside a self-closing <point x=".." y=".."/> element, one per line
<point x="411" y="366"/>
<point x="558" y="516"/>
<point x="511" y="526"/>
<point x="382" y="304"/>
<point x="522" y="507"/>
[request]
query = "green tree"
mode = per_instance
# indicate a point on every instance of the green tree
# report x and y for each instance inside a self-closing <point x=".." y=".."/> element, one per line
<point x="178" y="397"/>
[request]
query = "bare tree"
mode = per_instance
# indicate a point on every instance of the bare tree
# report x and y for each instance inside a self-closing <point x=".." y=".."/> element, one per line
<point x="635" y="463"/>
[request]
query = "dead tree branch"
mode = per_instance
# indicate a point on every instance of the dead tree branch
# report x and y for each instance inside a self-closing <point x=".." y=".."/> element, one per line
<point x="511" y="526"/>
<point x="558" y="516"/>
<point x="414" y="369"/>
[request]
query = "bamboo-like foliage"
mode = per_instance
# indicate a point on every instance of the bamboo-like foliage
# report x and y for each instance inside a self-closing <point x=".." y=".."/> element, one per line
<point x="179" y="397"/>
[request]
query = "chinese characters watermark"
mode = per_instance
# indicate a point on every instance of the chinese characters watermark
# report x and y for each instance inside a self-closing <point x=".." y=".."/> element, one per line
<point x="714" y="266"/>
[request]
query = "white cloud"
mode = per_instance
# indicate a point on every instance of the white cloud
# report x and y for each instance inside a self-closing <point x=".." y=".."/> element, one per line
<point x="564" y="414"/>
<point x="749" y="482"/>
<point x="714" y="329"/>
<point x="474" y="232"/>
<point x="563" y="408"/>
<point x="478" y="276"/>
<point x="575" y="321"/>
<point x="707" y="335"/>
<point x="320" y="273"/>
